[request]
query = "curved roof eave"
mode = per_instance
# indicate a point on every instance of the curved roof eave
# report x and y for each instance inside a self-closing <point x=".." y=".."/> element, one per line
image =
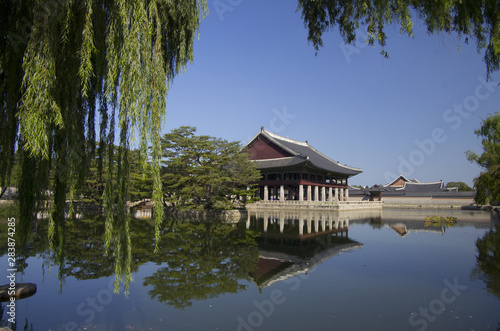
<point x="333" y="171"/>
<point x="306" y="152"/>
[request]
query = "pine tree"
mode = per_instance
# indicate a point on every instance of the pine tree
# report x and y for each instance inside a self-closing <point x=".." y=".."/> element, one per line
<point x="203" y="172"/>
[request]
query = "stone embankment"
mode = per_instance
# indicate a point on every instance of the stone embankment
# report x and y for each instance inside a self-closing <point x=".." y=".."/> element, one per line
<point x="233" y="215"/>
<point x="429" y="203"/>
<point x="325" y="205"/>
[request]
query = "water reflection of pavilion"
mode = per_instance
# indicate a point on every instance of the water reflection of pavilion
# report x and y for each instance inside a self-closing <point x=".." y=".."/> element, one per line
<point x="294" y="242"/>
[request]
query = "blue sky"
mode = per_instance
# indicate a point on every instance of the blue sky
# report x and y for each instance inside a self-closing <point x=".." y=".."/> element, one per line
<point x="412" y="114"/>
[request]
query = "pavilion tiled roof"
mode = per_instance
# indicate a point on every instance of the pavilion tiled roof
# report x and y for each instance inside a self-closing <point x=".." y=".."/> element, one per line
<point x="280" y="162"/>
<point x="425" y="187"/>
<point x="301" y="153"/>
<point x="406" y="180"/>
<point x="431" y="189"/>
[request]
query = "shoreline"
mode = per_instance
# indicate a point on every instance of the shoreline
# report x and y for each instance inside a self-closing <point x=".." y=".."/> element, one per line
<point x="439" y="207"/>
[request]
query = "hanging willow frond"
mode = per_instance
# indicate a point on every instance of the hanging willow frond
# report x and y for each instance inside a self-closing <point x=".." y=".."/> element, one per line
<point x="475" y="20"/>
<point x="76" y="62"/>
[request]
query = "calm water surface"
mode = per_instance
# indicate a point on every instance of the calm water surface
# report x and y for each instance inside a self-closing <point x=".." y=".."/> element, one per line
<point x="378" y="270"/>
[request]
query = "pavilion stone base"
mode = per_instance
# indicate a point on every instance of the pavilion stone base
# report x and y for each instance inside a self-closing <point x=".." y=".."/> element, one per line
<point x="341" y="205"/>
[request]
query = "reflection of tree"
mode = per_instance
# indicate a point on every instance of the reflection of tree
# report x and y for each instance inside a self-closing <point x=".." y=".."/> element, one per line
<point x="26" y="246"/>
<point x="488" y="261"/>
<point x="204" y="260"/>
<point x="77" y="248"/>
<point x="123" y="255"/>
<point x="82" y="253"/>
<point x="13" y="326"/>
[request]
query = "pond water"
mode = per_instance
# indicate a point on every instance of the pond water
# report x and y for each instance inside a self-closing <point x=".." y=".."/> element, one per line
<point x="275" y="270"/>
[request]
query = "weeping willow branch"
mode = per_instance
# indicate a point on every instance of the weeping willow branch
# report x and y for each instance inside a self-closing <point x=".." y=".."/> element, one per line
<point x="75" y="62"/>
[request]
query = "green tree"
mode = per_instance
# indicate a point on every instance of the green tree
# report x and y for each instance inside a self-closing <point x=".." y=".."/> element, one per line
<point x="92" y="186"/>
<point x="460" y="185"/>
<point x="67" y="64"/>
<point x="477" y="20"/>
<point x="203" y="172"/>
<point x="141" y="184"/>
<point x="203" y="260"/>
<point x="487" y="183"/>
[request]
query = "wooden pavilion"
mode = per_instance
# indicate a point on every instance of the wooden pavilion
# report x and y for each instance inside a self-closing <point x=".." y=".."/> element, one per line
<point x="293" y="170"/>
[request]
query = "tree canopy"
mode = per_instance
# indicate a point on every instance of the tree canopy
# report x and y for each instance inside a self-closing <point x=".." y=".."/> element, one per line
<point x="91" y="189"/>
<point x="488" y="182"/>
<point x="203" y="260"/>
<point x="460" y="185"/>
<point x="203" y="172"/>
<point x="68" y="66"/>
<point x="71" y="71"/>
<point x="478" y="20"/>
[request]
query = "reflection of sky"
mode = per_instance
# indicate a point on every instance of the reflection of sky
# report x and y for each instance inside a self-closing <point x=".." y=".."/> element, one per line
<point x="419" y="252"/>
<point x="390" y="277"/>
<point x="372" y="287"/>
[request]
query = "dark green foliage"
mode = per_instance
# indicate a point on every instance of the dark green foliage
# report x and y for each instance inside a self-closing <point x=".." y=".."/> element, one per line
<point x="488" y="260"/>
<point x="91" y="189"/>
<point x="479" y="20"/>
<point x="204" y="260"/>
<point x="141" y="183"/>
<point x="199" y="260"/>
<point x="462" y="187"/>
<point x="487" y="184"/>
<point x="65" y="64"/>
<point x="203" y="172"/>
